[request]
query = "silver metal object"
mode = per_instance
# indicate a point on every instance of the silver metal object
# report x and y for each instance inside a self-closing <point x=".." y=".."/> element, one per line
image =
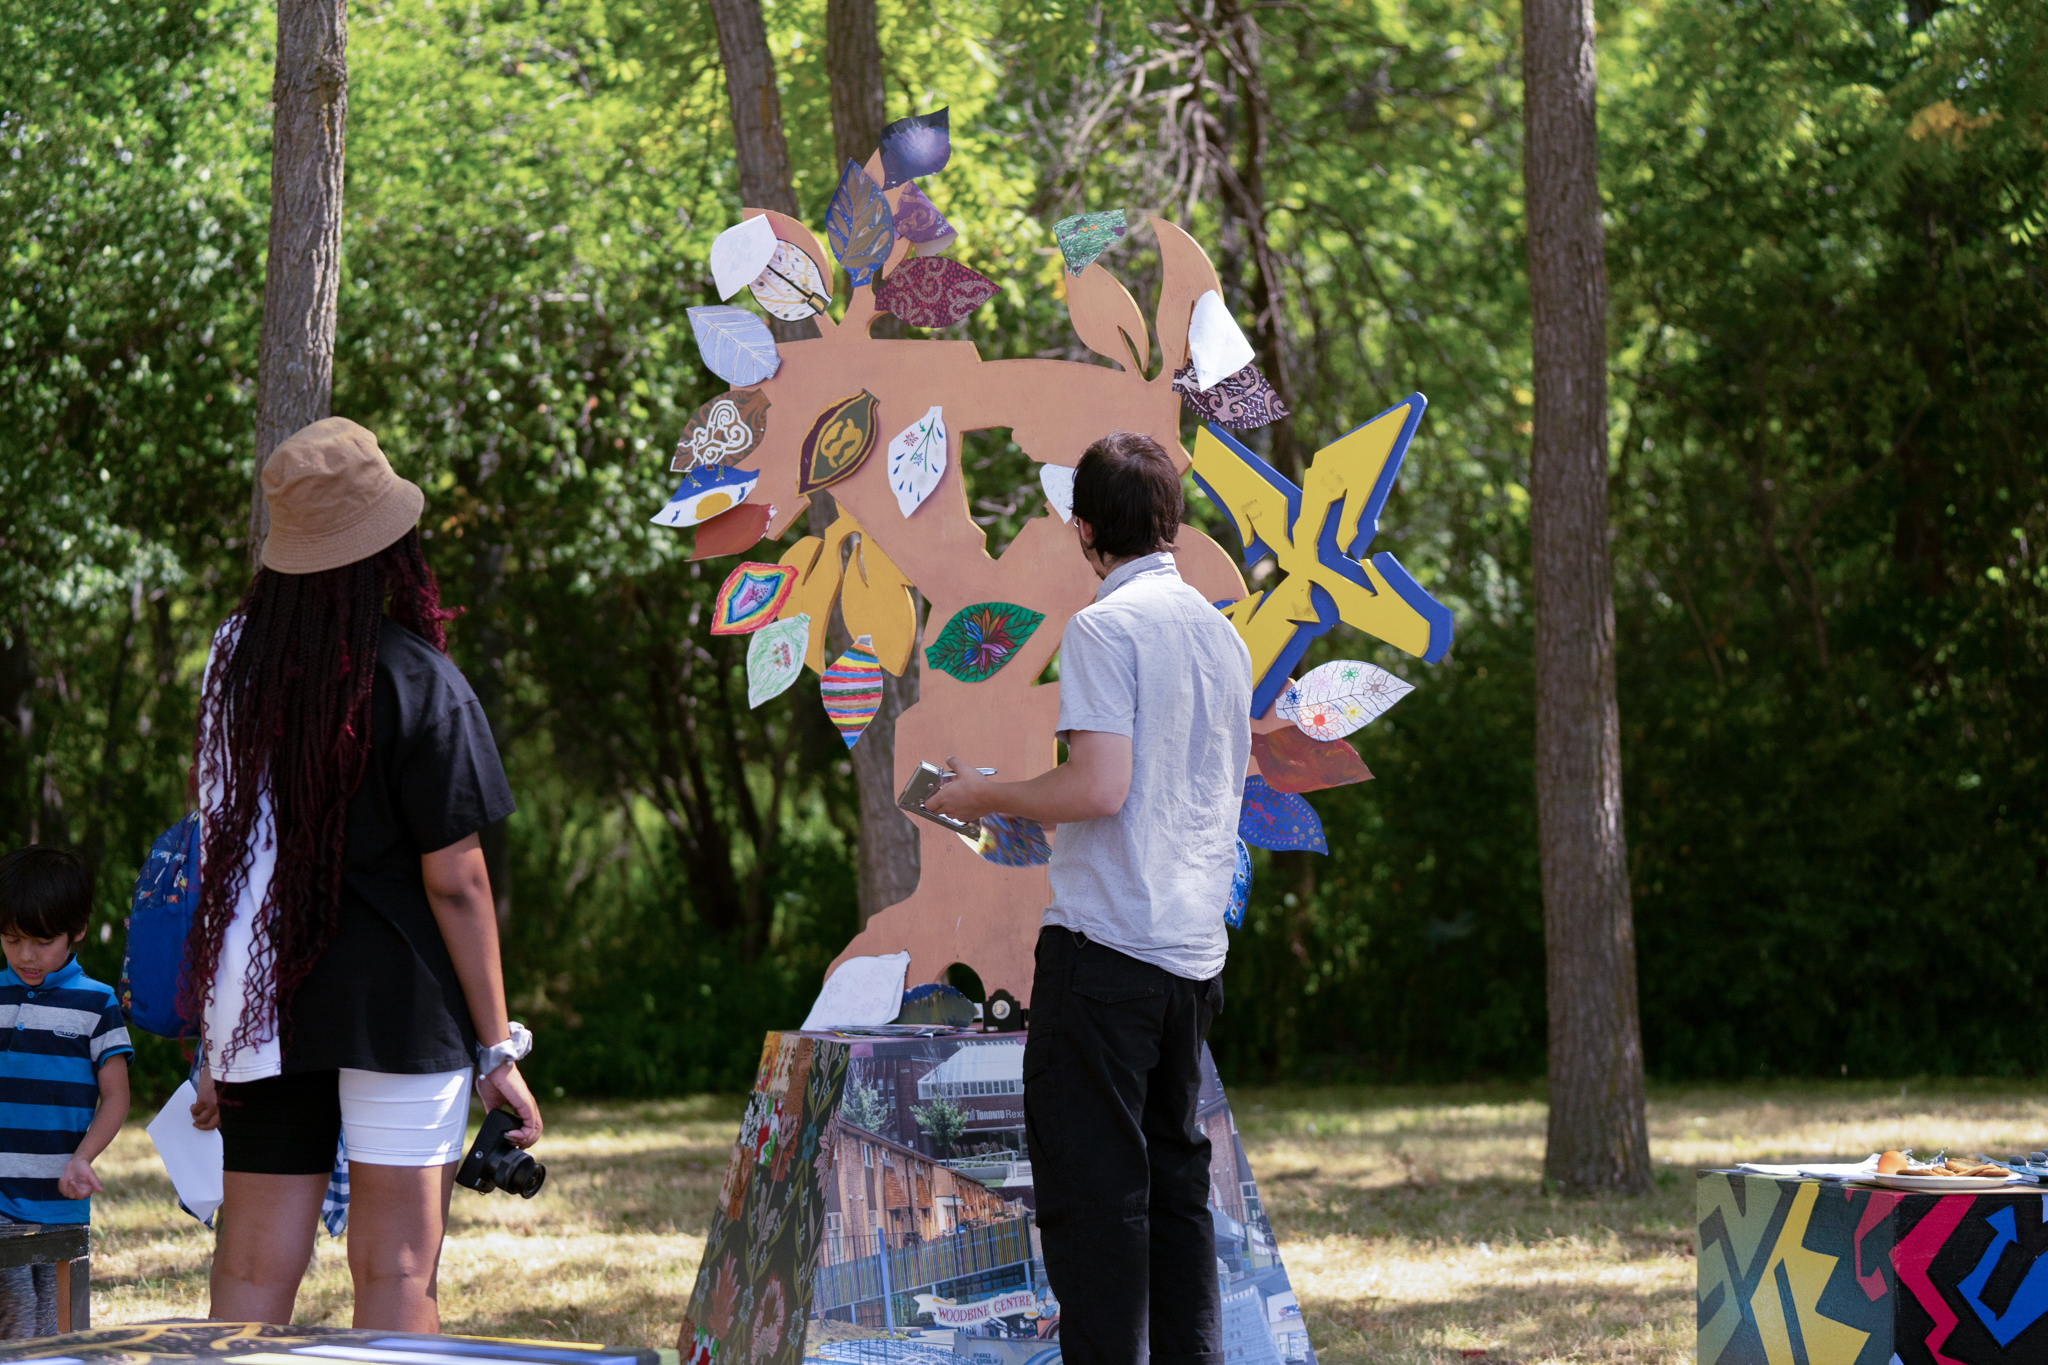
<point x="928" y="778"/>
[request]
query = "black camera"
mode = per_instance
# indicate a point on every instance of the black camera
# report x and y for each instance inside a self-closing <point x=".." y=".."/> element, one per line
<point x="495" y="1164"/>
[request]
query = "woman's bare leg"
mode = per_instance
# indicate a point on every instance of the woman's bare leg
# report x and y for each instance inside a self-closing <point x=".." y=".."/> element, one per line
<point x="265" y="1243"/>
<point x="396" y="1218"/>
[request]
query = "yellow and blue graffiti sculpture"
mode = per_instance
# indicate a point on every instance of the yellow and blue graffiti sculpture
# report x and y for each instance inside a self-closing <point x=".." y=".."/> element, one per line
<point x="1318" y="535"/>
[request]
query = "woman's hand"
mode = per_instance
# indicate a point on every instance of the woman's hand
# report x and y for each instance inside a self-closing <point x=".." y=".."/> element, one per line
<point x="505" y="1088"/>
<point x="206" y="1110"/>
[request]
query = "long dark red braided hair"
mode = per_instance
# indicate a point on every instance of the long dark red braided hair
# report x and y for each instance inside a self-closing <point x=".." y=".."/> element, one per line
<point x="286" y="706"/>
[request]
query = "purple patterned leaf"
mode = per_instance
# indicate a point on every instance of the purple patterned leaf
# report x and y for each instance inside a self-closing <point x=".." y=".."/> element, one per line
<point x="931" y="291"/>
<point x="919" y="222"/>
<point x="1240" y="401"/>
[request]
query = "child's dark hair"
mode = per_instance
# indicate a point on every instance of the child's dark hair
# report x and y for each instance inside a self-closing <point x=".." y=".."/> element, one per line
<point x="45" y="892"/>
<point x="1127" y="489"/>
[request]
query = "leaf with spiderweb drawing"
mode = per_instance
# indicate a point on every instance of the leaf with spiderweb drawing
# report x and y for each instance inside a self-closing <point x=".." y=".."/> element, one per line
<point x="978" y="640"/>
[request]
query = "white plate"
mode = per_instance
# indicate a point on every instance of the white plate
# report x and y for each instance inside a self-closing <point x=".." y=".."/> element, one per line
<point x="1942" y="1184"/>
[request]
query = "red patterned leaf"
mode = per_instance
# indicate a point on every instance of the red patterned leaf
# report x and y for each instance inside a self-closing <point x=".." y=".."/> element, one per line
<point x="934" y="291"/>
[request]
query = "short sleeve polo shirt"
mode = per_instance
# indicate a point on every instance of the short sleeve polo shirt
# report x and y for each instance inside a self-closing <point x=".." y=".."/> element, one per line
<point x="54" y="1038"/>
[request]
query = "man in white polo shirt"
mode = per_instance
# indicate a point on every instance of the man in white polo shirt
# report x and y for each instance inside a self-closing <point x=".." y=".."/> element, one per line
<point x="1155" y="698"/>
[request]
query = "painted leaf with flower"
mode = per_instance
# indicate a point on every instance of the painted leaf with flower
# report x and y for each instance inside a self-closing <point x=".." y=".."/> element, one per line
<point x="978" y="640"/>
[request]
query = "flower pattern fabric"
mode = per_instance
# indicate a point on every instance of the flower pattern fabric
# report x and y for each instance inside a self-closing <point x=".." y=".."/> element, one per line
<point x="755" y="1280"/>
<point x="1241" y="401"/>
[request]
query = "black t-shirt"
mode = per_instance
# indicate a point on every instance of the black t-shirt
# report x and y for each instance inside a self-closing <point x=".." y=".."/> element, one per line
<point x="384" y="996"/>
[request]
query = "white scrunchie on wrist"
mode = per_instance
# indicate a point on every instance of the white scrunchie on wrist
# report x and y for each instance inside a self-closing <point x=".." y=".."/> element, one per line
<point x="514" y="1048"/>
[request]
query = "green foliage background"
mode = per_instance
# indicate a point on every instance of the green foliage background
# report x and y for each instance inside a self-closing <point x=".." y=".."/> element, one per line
<point x="1830" y="377"/>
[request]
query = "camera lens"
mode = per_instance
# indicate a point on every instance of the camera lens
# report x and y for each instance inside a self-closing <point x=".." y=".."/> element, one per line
<point x="515" y="1172"/>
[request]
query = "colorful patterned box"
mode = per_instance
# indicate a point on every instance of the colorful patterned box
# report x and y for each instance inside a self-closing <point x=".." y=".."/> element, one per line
<point x="1814" y="1272"/>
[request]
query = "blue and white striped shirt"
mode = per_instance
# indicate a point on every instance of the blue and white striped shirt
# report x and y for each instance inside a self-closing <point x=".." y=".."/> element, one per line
<point x="54" y="1037"/>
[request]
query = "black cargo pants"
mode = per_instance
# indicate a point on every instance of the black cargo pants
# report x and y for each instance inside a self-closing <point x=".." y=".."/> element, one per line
<point x="1112" y="1069"/>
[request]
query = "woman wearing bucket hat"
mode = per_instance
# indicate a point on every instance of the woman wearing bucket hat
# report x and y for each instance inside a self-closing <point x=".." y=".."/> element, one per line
<point x="344" y="954"/>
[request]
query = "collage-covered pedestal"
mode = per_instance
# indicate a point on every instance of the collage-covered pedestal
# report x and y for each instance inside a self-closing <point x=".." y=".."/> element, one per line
<point x="878" y="1208"/>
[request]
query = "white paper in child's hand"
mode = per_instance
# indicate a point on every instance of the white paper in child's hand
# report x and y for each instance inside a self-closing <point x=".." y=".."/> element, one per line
<point x="192" y="1157"/>
<point x="864" y="990"/>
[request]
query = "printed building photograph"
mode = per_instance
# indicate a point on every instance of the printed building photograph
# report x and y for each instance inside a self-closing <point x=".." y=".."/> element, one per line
<point x="930" y="1241"/>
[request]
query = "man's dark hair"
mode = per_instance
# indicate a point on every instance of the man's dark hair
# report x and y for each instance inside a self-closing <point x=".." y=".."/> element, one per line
<point x="1128" y="491"/>
<point x="45" y="892"/>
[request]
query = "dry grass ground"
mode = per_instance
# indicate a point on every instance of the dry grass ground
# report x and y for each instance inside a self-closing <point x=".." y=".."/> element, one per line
<point x="1413" y="1221"/>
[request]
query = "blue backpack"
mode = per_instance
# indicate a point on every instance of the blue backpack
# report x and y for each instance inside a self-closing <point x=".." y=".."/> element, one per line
<point x="159" y="918"/>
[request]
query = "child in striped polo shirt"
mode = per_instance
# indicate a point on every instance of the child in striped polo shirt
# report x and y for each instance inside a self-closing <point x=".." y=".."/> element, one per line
<point x="63" y="1068"/>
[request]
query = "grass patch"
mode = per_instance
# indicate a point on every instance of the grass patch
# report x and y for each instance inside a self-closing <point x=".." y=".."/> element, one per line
<point x="1413" y="1220"/>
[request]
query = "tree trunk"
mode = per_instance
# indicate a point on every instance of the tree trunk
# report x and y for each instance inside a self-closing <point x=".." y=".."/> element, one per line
<point x="760" y="152"/>
<point x="295" y="358"/>
<point x="17" y="736"/>
<point x="1597" y="1137"/>
<point x="853" y="63"/>
<point x="889" y="860"/>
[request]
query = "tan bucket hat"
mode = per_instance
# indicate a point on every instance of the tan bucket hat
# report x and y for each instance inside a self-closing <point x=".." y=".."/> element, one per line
<point x="333" y="499"/>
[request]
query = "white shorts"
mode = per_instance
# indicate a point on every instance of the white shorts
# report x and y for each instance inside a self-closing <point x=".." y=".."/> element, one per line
<point x="389" y="1119"/>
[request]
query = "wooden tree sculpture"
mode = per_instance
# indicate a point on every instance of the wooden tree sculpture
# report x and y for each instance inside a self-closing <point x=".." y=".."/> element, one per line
<point x="823" y="417"/>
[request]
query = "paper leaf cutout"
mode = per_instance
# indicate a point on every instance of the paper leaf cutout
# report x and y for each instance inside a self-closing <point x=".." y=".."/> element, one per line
<point x="919" y="222"/>
<point x="750" y="597"/>
<point x="980" y="639"/>
<point x="917" y="460"/>
<point x="1240" y="888"/>
<point x="723" y="430"/>
<point x="1084" y="237"/>
<point x="774" y="657"/>
<point x="1216" y="345"/>
<point x="858" y="224"/>
<point x="1011" y="841"/>
<point x="738" y="254"/>
<point x="934" y="291"/>
<point x="1292" y="762"/>
<point x="704" y="493"/>
<point x="1280" y="821"/>
<point x="1339" y="697"/>
<point x="732" y="532"/>
<point x="842" y="437"/>
<point x="919" y="145"/>
<point x="1242" y="401"/>
<point x="852" y="690"/>
<point x="791" y="286"/>
<point x="1058" y="482"/>
<point x="737" y="345"/>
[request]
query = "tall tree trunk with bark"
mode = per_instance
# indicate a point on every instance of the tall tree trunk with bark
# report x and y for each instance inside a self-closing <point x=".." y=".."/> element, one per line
<point x="853" y="64"/>
<point x="889" y="861"/>
<point x="302" y="276"/>
<point x="1597" y="1137"/>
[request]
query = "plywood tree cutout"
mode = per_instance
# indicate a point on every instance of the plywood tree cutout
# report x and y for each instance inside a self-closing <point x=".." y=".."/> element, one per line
<point x="965" y="909"/>
<point x="873" y="420"/>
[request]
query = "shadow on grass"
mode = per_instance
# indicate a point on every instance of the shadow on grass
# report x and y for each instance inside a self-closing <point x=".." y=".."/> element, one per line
<point x="1520" y="1322"/>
